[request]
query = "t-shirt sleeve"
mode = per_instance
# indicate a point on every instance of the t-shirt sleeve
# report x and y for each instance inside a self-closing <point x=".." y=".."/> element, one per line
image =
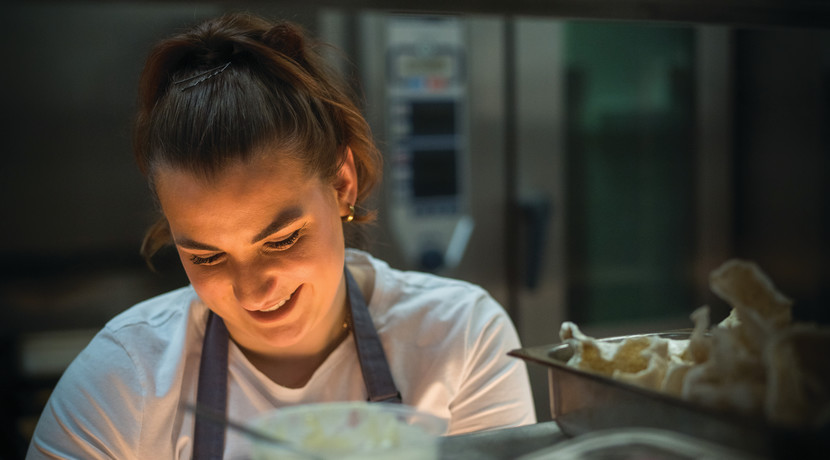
<point x="95" y="410"/>
<point x="495" y="388"/>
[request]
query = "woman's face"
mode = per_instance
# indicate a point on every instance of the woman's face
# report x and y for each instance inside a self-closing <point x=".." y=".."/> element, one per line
<point x="263" y="247"/>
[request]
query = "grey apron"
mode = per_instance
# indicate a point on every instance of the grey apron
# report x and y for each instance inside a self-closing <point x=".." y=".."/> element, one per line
<point x="212" y="393"/>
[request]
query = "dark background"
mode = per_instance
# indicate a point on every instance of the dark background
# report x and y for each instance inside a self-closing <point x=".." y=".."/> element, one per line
<point x="74" y="207"/>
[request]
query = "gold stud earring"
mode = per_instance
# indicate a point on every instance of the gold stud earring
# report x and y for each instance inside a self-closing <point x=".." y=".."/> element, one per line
<point x="350" y="217"/>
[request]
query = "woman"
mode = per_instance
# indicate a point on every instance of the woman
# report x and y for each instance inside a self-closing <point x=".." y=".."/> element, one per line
<point x="259" y="160"/>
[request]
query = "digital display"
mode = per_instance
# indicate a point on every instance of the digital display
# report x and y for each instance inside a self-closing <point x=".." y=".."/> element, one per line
<point x="433" y="118"/>
<point x="425" y="66"/>
<point x="434" y="173"/>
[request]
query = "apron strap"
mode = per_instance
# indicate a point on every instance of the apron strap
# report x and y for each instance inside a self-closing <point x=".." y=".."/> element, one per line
<point x="212" y="393"/>
<point x="373" y="362"/>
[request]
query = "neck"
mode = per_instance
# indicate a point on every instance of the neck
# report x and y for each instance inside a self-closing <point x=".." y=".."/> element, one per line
<point x="294" y="368"/>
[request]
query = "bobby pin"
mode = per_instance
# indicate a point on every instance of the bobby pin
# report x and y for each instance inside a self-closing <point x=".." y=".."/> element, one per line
<point x="198" y="78"/>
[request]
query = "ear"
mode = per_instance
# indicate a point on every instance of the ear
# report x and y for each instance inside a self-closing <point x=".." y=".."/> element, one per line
<point x="346" y="183"/>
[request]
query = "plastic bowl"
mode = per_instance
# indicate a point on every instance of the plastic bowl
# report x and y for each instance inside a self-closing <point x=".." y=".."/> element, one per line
<point x="350" y="430"/>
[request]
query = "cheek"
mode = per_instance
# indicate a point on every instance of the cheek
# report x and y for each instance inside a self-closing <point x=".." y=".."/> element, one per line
<point x="204" y="281"/>
<point x="332" y="245"/>
<point x="317" y="261"/>
<point x="317" y="251"/>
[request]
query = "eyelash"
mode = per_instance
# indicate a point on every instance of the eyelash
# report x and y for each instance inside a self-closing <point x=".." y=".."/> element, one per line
<point x="281" y="245"/>
<point x="203" y="260"/>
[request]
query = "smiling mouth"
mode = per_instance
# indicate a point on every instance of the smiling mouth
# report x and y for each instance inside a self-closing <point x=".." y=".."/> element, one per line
<point x="278" y="305"/>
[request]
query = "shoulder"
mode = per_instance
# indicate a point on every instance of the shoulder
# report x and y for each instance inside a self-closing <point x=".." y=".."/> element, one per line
<point x="141" y="332"/>
<point x="393" y="289"/>
<point x="156" y="311"/>
<point x="410" y="302"/>
<point x="137" y="345"/>
<point x="161" y="336"/>
<point x="136" y="360"/>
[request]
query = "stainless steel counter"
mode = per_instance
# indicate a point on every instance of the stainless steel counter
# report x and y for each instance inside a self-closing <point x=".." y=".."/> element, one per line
<point x="631" y="442"/>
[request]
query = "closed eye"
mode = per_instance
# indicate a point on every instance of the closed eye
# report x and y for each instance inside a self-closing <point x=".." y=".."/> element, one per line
<point x="286" y="243"/>
<point x="204" y="260"/>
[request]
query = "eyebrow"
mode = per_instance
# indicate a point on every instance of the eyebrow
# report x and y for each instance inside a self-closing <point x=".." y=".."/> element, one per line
<point x="285" y="218"/>
<point x="187" y="243"/>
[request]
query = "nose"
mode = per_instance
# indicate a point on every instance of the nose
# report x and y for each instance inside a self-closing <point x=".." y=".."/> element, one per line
<point x="254" y="286"/>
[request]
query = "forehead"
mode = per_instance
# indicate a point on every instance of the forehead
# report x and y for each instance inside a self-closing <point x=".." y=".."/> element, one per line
<point x="277" y="168"/>
<point x="263" y="178"/>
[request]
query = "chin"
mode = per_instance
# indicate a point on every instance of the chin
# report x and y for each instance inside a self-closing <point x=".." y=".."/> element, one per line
<point x="284" y="338"/>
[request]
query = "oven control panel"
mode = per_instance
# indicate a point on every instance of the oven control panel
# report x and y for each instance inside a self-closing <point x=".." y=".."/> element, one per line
<point x="427" y="128"/>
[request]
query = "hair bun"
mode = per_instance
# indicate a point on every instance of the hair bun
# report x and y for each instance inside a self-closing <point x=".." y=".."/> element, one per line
<point x="287" y="39"/>
<point x="215" y="49"/>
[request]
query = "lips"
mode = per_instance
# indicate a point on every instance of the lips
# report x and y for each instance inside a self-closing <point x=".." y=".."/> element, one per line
<point x="278" y="311"/>
<point x="278" y="305"/>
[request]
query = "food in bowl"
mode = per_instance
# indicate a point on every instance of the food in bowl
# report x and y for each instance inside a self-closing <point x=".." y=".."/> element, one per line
<point x="350" y="430"/>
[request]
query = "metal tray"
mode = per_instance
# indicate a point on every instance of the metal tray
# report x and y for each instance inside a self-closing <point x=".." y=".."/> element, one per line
<point x="583" y="402"/>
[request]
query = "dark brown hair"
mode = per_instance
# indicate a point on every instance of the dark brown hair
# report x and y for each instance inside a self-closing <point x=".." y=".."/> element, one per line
<point x="234" y="85"/>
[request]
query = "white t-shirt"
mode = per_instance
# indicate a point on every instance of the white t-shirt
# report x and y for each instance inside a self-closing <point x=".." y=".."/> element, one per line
<point x="445" y="340"/>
